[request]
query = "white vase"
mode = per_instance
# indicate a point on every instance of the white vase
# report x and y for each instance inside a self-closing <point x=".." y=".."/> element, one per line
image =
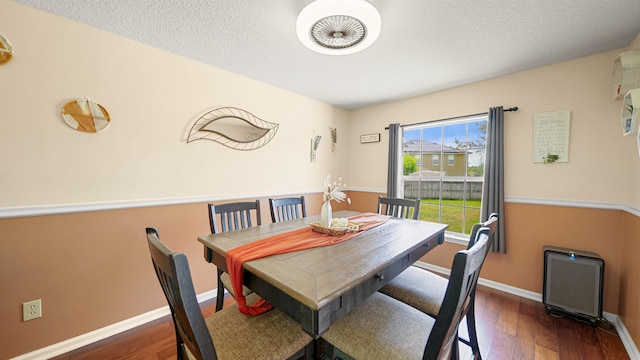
<point x="325" y="214"/>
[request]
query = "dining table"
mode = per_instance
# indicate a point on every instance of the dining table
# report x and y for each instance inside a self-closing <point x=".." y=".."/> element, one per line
<point x="317" y="286"/>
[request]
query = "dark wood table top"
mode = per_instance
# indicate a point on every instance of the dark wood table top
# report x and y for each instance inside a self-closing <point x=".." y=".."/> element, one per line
<point x="317" y="286"/>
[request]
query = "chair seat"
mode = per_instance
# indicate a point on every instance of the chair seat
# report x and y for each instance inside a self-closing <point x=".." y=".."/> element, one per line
<point x="272" y="335"/>
<point x="226" y="281"/>
<point x="381" y="328"/>
<point x="419" y="288"/>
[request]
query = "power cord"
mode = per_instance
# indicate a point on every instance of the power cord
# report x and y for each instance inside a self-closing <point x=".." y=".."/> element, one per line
<point x="582" y="320"/>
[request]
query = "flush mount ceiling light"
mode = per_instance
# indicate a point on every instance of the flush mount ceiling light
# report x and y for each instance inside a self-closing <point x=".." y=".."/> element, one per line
<point x="338" y="27"/>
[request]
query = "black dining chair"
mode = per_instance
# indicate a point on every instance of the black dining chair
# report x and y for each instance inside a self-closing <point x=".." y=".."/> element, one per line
<point x="385" y="328"/>
<point x="425" y="290"/>
<point x="399" y="207"/>
<point x="229" y="217"/>
<point x="285" y="209"/>
<point x="227" y="334"/>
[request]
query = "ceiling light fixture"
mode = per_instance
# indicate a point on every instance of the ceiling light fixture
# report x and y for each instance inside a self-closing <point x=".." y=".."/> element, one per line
<point x="338" y="27"/>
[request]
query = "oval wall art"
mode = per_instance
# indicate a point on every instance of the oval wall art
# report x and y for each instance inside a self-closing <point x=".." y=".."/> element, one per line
<point x="85" y="115"/>
<point x="234" y="128"/>
<point x="6" y="50"/>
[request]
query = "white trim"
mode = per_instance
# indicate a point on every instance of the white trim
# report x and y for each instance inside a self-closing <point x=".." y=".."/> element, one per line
<point x="625" y="337"/>
<point x="368" y="190"/>
<point x="627" y="341"/>
<point x="127" y="204"/>
<point x="453" y="239"/>
<point x="575" y="203"/>
<point x="633" y="211"/>
<point x="25" y="211"/>
<point x="77" y="342"/>
<point x="103" y="333"/>
<point x="564" y="202"/>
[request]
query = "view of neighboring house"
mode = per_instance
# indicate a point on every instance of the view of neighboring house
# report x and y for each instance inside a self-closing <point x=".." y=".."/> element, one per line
<point x="436" y="159"/>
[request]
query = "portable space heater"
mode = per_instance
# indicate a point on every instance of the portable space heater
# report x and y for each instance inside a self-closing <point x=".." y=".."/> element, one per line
<point x="573" y="283"/>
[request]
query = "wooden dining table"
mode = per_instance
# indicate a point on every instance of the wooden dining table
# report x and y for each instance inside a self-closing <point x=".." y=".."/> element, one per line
<point x="317" y="286"/>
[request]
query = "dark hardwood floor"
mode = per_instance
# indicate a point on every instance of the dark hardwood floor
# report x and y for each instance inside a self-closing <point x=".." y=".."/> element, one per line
<point x="509" y="327"/>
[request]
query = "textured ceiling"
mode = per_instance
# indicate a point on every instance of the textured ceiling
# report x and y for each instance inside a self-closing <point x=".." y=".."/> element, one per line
<point x="424" y="46"/>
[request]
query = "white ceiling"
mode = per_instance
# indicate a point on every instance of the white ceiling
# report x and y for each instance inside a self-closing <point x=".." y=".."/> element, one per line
<point x="424" y="46"/>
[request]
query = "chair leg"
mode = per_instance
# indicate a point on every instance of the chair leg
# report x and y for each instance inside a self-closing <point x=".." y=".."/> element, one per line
<point x="471" y="326"/>
<point x="180" y="353"/>
<point x="220" y="295"/>
<point x="455" y="351"/>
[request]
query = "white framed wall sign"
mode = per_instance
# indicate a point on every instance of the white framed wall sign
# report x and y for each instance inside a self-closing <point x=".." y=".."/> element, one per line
<point x="369" y="138"/>
<point x="551" y="135"/>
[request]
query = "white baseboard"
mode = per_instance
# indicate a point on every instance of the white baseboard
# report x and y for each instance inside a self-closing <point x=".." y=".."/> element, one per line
<point x="77" y="342"/>
<point x="105" y="332"/>
<point x="625" y="337"/>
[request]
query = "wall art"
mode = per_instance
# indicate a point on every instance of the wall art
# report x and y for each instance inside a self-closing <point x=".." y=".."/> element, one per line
<point x="6" y="50"/>
<point x="233" y="127"/>
<point x="85" y="115"/>
<point x="315" y="142"/>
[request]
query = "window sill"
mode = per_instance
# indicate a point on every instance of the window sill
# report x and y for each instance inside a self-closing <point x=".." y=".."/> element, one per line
<point x="455" y="238"/>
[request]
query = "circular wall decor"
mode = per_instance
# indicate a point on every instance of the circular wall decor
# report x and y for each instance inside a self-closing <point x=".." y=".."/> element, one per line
<point x="6" y="50"/>
<point x="85" y="115"/>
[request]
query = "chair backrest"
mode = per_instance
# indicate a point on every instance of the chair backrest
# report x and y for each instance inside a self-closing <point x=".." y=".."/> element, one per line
<point x="399" y="207"/>
<point x="462" y="281"/>
<point x="233" y="216"/>
<point x="173" y="273"/>
<point x="287" y="209"/>
<point x="491" y="223"/>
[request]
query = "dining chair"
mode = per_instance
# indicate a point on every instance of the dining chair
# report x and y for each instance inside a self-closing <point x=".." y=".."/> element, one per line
<point x="385" y="328"/>
<point x="425" y="290"/>
<point x="229" y="217"/>
<point x="227" y="334"/>
<point x="399" y="207"/>
<point x="287" y="209"/>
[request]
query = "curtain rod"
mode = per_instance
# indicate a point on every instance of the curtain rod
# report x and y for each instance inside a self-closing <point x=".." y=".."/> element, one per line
<point x="515" y="108"/>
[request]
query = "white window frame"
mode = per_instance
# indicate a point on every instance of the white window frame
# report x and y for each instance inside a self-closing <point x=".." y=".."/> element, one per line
<point x="450" y="236"/>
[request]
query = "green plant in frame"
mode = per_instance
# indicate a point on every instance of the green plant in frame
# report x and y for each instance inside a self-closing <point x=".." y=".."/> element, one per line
<point x="550" y="158"/>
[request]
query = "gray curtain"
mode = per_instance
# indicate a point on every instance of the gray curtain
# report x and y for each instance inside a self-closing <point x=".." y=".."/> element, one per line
<point x="493" y="187"/>
<point x="393" y="166"/>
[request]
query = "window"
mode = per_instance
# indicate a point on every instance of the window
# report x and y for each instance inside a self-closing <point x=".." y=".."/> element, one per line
<point x="450" y="193"/>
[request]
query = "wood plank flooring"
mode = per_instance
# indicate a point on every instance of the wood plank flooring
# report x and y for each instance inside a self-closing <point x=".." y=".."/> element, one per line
<point x="509" y="327"/>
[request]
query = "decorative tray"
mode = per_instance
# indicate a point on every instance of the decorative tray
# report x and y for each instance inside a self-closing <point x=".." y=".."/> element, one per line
<point x="336" y="231"/>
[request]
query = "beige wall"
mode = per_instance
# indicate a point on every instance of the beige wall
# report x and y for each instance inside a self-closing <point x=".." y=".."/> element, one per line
<point x="598" y="153"/>
<point x="91" y="268"/>
<point x="153" y="98"/>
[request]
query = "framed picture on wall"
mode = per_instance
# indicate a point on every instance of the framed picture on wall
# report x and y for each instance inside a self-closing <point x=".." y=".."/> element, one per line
<point x="551" y="136"/>
<point x="369" y="138"/>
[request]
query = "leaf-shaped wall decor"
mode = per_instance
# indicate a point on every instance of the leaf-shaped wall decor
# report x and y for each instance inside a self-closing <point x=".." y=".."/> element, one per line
<point x="234" y="128"/>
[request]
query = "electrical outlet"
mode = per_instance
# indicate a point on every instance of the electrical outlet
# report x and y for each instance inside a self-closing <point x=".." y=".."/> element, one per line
<point x="31" y="310"/>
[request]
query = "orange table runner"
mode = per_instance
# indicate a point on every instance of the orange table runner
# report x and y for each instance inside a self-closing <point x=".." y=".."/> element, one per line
<point x="301" y="239"/>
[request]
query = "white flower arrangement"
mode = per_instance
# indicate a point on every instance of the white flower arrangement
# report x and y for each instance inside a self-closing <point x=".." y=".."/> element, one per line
<point x="333" y="190"/>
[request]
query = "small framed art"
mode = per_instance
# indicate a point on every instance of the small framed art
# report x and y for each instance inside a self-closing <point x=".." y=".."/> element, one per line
<point x="369" y="138"/>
